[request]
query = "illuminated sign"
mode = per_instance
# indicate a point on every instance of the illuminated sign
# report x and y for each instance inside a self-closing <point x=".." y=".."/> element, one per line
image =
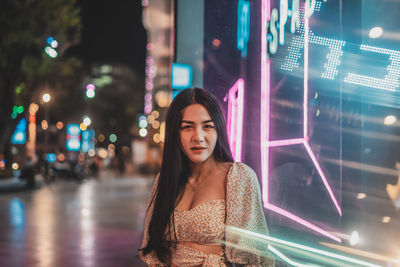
<point x="87" y="140"/>
<point x="73" y="142"/>
<point x="181" y="76"/>
<point x="277" y="19"/>
<point x="266" y="143"/>
<point x="19" y="135"/>
<point x="389" y="82"/>
<point x="243" y="26"/>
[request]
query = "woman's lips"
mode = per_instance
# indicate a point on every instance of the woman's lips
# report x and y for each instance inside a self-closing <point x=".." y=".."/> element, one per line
<point x="197" y="150"/>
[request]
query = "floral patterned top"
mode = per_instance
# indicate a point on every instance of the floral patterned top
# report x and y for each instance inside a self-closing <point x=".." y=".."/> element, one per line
<point x="242" y="209"/>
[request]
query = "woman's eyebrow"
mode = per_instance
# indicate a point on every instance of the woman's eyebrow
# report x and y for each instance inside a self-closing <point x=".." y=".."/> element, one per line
<point x="192" y="122"/>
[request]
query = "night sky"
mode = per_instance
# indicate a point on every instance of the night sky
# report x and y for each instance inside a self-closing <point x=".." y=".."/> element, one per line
<point x="113" y="32"/>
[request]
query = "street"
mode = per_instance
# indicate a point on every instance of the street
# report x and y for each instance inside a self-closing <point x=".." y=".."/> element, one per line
<point x="95" y="223"/>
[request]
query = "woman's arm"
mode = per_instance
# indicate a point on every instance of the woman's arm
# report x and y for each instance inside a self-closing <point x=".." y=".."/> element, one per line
<point x="245" y="211"/>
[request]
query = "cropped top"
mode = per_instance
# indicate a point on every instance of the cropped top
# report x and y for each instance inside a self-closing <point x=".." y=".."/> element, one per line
<point x="216" y="221"/>
<point x="203" y="224"/>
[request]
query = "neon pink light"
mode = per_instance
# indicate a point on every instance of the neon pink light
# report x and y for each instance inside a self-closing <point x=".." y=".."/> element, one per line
<point x="322" y="175"/>
<point x="301" y="221"/>
<point x="265" y="103"/>
<point x="287" y="142"/>
<point x="305" y="78"/>
<point x="235" y="118"/>
<point x="265" y="124"/>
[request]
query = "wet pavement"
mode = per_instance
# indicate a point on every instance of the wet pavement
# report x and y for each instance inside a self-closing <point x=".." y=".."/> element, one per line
<point x="95" y="223"/>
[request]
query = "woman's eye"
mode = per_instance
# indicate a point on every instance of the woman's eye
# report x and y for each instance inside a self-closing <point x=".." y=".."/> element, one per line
<point x="209" y="126"/>
<point x="186" y="127"/>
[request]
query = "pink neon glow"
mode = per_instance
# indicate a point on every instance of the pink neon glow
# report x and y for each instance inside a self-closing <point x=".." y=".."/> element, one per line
<point x="265" y="103"/>
<point x="287" y="142"/>
<point x="301" y="221"/>
<point x="305" y="79"/>
<point x="235" y="118"/>
<point x="322" y="175"/>
<point x="265" y="124"/>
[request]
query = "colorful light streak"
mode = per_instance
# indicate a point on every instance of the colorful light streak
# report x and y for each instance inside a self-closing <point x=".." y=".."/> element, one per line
<point x="286" y="259"/>
<point x="254" y="235"/>
<point x="265" y="121"/>
<point x="235" y="118"/>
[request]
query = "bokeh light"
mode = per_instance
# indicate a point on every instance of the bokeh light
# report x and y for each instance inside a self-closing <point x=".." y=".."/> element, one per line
<point x="157" y="138"/>
<point x="142" y="132"/>
<point x="82" y="126"/>
<point x="113" y="138"/>
<point x="59" y="125"/>
<point x="15" y="166"/>
<point x="101" y="138"/>
<point x="390" y="120"/>
<point x="375" y="32"/>
<point x="44" y="125"/>
<point x="46" y="97"/>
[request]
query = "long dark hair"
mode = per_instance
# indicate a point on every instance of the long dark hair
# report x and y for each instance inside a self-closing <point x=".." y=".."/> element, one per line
<point x="175" y="167"/>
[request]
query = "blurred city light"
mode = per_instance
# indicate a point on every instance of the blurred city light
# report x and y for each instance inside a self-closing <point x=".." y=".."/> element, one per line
<point x="162" y="131"/>
<point x="90" y="86"/>
<point x="155" y="114"/>
<point x="389" y="120"/>
<point x="150" y="119"/>
<point x="15" y="166"/>
<point x="156" y="124"/>
<point x="19" y="135"/>
<point x="113" y="138"/>
<point x="51" y="157"/>
<point x="386" y="219"/>
<point x="143" y="124"/>
<point x="44" y="125"/>
<point x="90" y="93"/>
<point x="157" y="138"/>
<point x="163" y="98"/>
<point x="91" y="153"/>
<point x="82" y="126"/>
<point x="51" y="52"/>
<point x="361" y="195"/>
<point x="102" y="153"/>
<point x="46" y="97"/>
<point x="59" y="125"/>
<point x="73" y="142"/>
<point x="142" y="132"/>
<point x="61" y="157"/>
<point x="101" y="138"/>
<point x="354" y="238"/>
<point x="375" y="32"/>
<point x="54" y="44"/>
<point x="86" y="120"/>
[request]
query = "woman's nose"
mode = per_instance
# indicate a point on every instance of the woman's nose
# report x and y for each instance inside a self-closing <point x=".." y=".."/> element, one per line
<point x="198" y="135"/>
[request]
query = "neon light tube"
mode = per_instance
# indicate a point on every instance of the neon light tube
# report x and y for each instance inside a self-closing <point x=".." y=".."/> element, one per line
<point x="235" y="118"/>
<point x="322" y="175"/>
<point x="265" y="120"/>
<point x="301" y="221"/>
<point x="286" y="259"/>
<point x="286" y="142"/>
<point x="303" y="247"/>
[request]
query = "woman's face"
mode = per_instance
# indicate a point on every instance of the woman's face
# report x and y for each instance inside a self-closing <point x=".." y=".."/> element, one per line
<point x="197" y="133"/>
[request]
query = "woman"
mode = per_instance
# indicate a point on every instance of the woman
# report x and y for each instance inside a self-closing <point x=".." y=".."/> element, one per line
<point x="199" y="191"/>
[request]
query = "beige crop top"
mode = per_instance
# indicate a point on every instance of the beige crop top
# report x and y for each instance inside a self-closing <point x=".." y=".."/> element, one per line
<point x="210" y="223"/>
<point x="204" y="224"/>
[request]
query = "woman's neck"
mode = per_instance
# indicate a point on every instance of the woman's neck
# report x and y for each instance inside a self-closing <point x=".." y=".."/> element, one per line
<point x="199" y="169"/>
